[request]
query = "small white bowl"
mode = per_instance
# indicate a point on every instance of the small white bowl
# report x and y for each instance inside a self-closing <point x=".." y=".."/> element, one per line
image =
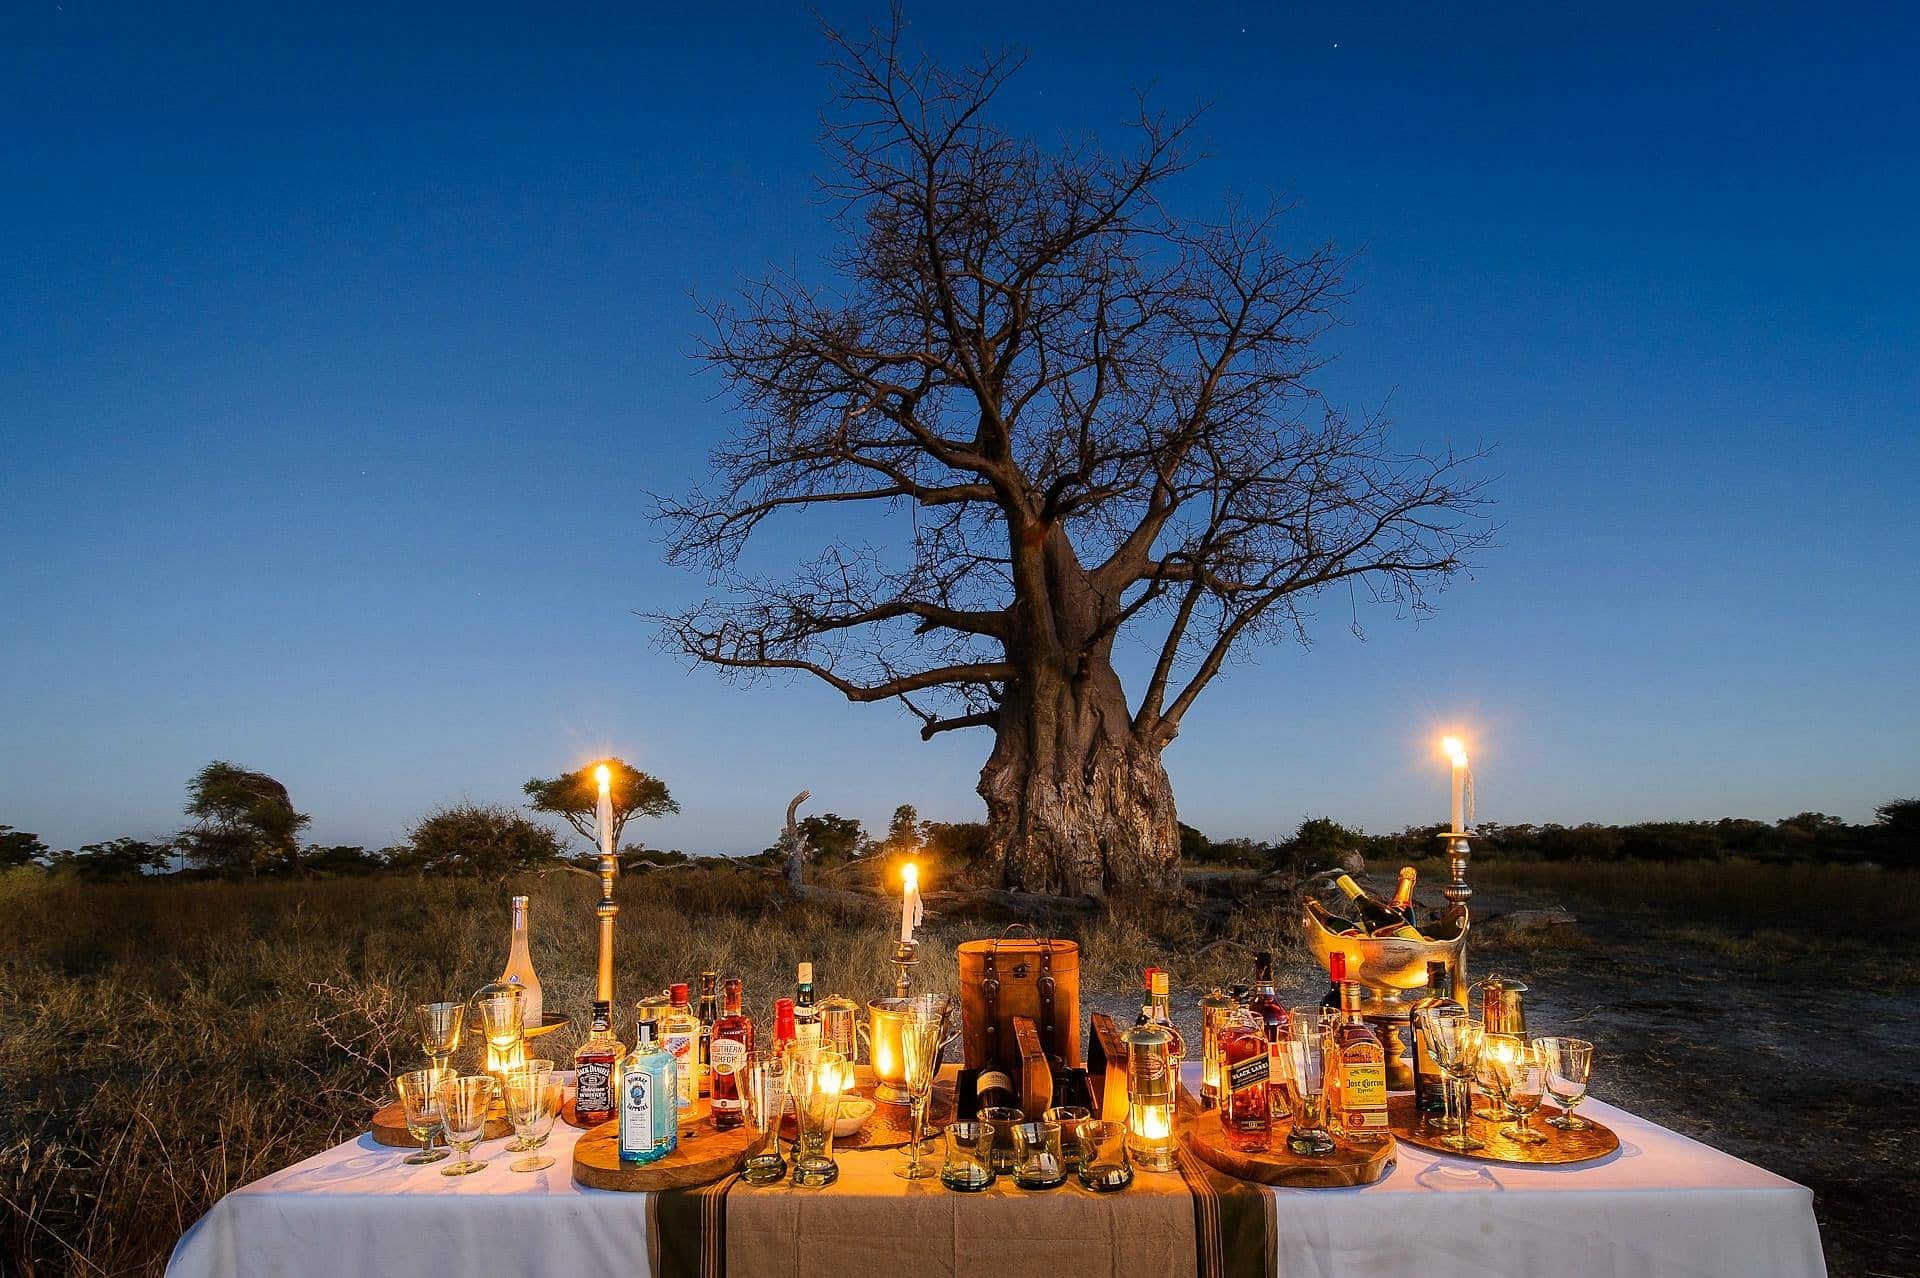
<point x="854" y="1113"/>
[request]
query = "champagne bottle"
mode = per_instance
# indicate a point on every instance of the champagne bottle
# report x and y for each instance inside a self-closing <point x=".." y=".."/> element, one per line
<point x="1374" y="914"/>
<point x="519" y="971"/>
<point x="1403" y="894"/>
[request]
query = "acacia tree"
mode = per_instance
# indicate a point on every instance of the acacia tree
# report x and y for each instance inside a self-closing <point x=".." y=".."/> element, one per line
<point x="1086" y="422"/>
<point x="244" y="820"/>
<point x="575" y="796"/>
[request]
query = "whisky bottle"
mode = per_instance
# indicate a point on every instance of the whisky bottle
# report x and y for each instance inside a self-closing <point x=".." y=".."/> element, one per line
<point x="806" y="1021"/>
<point x="595" y="1062"/>
<point x="1266" y="1003"/>
<point x="519" y="970"/>
<point x="732" y="1044"/>
<point x="708" y="1011"/>
<point x="1146" y="996"/>
<point x="649" y="1100"/>
<point x="681" y="1036"/>
<point x="993" y="1089"/>
<point x="1362" y="1064"/>
<point x="1429" y="1082"/>
<point x="1246" y="1115"/>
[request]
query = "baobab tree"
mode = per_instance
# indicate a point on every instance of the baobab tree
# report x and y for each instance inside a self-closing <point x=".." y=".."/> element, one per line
<point x="1072" y="423"/>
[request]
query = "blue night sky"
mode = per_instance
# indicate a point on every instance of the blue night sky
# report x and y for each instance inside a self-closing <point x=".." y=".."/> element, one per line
<point x="338" y="352"/>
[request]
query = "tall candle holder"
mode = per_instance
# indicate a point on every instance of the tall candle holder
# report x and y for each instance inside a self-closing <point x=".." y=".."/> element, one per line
<point x="906" y="956"/>
<point x="1459" y="850"/>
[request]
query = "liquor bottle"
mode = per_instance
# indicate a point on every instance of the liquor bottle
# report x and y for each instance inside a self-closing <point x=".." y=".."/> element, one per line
<point x="519" y="970"/>
<point x="1151" y="1078"/>
<point x="1362" y="1065"/>
<point x="1336" y="973"/>
<point x="993" y="1089"/>
<point x="595" y="1062"/>
<point x="649" y="1099"/>
<point x="1146" y="996"/>
<point x="1403" y="894"/>
<point x="709" y="1011"/>
<point x="806" y="1021"/>
<point x="1163" y="1017"/>
<point x="1332" y="922"/>
<point x="1376" y="915"/>
<point x="1429" y="1083"/>
<point x="732" y="1044"/>
<point x="1246" y="1115"/>
<point x="783" y="1029"/>
<point x="1266" y="1003"/>
<point x="681" y="1036"/>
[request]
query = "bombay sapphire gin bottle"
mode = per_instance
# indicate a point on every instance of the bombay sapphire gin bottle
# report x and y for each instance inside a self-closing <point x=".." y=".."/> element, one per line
<point x="649" y="1099"/>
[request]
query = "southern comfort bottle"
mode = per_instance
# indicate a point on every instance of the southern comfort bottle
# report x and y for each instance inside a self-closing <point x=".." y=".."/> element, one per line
<point x="732" y="1044"/>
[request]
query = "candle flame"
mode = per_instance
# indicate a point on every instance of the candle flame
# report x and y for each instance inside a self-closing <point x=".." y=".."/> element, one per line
<point x="1455" y="750"/>
<point x="910" y="874"/>
<point x="1153" y="1123"/>
<point x="604" y="775"/>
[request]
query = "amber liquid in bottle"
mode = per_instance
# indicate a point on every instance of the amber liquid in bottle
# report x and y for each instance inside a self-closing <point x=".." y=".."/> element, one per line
<point x="1362" y="1064"/>
<point x="1245" y="1113"/>
<point x="1267" y="1004"/>
<point x="732" y="1044"/>
<point x="594" y="1064"/>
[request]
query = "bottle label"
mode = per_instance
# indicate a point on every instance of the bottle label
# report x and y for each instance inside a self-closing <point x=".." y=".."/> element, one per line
<point x="680" y="1046"/>
<point x="595" y="1078"/>
<point x="1248" y="1073"/>
<point x="729" y="1054"/>
<point x="1363" y="1094"/>
<point x="636" y="1113"/>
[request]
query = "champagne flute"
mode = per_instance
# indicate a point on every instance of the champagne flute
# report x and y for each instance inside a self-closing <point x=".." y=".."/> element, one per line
<point x="1569" y="1064"/>
<point x="441" y="1025"/>
<point x="464" y="1103"/>
<point x="1523" y="1078"/>
<point x="420" y="1099"/>
<point x="922" y="1036"/>
<point x="533" y="1102"/>
<point x="1457" y="1045"/>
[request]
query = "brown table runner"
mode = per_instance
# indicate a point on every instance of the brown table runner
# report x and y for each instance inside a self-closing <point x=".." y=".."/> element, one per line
<point x="1200" y="1223"/>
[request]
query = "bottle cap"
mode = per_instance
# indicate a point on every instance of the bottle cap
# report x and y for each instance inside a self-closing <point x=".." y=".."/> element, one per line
<point x="1337" y="965"/>
<point x="783" y="1018"/>
<point x="680" y="992"/>
<point x="806" y="974"/>
<point x="1159" y="981"/>
<point x="1147" y="976"/>
<point x="643" y="1030"/>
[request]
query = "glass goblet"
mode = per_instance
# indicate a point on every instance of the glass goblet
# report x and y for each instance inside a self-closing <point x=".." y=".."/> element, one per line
<point x="1569" y="1067"/>
<point x="441" y="1025"/>
<point x="521" y="1144"/>
<point x="533" y="1102"/>
<point x="1495" y="1049"/>
<point x="501" y="1020"/>
<point x="1457" y="1041"/>
<point x="1439" y="1028"/>
<point x="1523" y="1083"/>
<point x="420" y="1099"/>
<point x="464" y="1103"/>
<point x="763" y="1082"/>
<point x="923" y="1032"/>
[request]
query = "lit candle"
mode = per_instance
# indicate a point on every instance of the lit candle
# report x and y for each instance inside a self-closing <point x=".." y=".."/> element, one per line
<point x="1457" y="755"/>
<point x="603" y="810"/>
<point x="910" y="911"/>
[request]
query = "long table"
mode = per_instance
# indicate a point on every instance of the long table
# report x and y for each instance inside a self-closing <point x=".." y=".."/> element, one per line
<point x="1663" y="1205"/>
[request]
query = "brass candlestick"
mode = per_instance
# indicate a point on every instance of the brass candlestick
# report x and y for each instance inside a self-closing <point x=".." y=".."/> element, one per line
<point x="605" y="912"/>
<point x="906" y="955"/>
<point x="1459" y="851"/>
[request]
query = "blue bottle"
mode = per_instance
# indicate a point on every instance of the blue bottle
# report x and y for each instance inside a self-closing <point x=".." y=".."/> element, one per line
<point x="649" y="1099"/>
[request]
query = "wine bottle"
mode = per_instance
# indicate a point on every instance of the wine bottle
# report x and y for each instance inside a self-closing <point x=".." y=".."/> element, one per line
<point x="994" y="1089"/>
<point x="1373" y="913"/>
<point x="806" y="1021"/>
<point x="1332" y="922"/>
<point x="519" y="971"/>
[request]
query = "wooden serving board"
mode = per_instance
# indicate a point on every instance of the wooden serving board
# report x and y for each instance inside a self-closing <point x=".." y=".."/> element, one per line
<point x="1559" y="1149"/>
<point x="389" y="1127"/>
<point x="1348" y="1165"/>
<point x="702" y="1156"/>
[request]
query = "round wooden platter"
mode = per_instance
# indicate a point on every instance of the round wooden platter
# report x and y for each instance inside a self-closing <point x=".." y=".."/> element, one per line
<point x="702" y="1156"/>
<point x="390" y="1127"/>
<point x="891" y="1126"/>
<point x="1348" y="1165"/>
<point x="1558" y="1150"/>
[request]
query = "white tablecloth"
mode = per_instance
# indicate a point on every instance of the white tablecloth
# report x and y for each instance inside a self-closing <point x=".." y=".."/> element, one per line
<point x="1663" y="1205"/>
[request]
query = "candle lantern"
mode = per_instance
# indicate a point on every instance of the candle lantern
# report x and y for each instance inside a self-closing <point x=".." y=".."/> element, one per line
<point x="1151" y="1087"/>
<point x="1214" y="1009"/>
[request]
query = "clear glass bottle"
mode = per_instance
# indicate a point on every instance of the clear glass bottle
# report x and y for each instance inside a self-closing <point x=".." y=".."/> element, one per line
<point x="1245" y="1115"/>
<point x="1151" y="1082"/>
<point x="680" y="1034"/>
<point x="519" y="970"/>
<point x="595" y="1062"/>
<point x="1214" y="1008"/>
<point x="1163" y="1017"/>
<point x="732" y="1045"/>
<point x="649" y="1099"/>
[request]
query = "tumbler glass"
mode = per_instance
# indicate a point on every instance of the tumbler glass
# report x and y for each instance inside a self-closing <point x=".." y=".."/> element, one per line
<point x="1569" y="1066"/>
<point x="420" y="1098"/>
<point x="1107" y="1166"/>
<point x="464" y="1103"/>
<point x="533" y="1102"/>
<point x="1003" y="1119"/>
<point x="1308" y="1029"/>
<point x="1072" y="1119"/>
<point x="1037" y="1163"/>
<point x="968" y="1168"/>
<point x="764" y="1095"/>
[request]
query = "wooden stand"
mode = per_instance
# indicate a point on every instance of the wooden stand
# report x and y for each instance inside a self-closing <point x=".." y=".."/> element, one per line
<point x="389" y="1127"/>
<point x="1348" y="1165"/>
<point x="1557" y="1150"/>
<point x="702" y="1156"/>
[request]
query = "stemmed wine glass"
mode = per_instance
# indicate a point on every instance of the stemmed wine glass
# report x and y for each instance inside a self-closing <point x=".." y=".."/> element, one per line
<point x="533" y="1102"/>
<point x="501" y="1012"/>
<point x="420" y="1099"/>
<point x="1569" y="1063"/>
<point x="441" y="1025"/>
<point x="1457" y="1042"/>
<point x="1521" y="1072"/>
<point x="464" y="1103"/>
<point x="1493" y="1047"/>
<point x="1441" y="1029"/>
<point x="923" y="1034"/>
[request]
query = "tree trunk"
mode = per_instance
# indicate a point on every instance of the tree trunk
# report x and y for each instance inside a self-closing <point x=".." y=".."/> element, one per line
<point x="1076" y="804"/>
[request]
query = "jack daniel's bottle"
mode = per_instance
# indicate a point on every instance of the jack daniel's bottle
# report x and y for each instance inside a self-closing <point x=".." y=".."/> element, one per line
<point x="594" y="1064"/>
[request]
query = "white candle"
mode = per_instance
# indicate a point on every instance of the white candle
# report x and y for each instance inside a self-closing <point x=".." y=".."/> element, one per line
<point x="604" y="809"/>
<point x="1457" y="755"/>
<point x="910" y="912"/>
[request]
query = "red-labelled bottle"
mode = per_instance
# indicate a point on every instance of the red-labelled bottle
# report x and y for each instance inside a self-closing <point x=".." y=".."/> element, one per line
<point x="1246" y="1115"/>
<point x="731" y="1045"/>
<point x="783" y="1032"/>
